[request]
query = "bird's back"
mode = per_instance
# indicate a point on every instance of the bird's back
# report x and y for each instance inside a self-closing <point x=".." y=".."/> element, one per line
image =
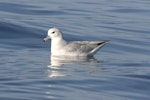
<point x="87" y="48"/>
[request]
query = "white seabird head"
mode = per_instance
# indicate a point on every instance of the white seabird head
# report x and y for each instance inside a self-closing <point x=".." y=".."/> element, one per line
<point x="53" y="33"/>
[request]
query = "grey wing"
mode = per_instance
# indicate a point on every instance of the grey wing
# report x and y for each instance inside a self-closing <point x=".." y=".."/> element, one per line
<point x="89" y="46"/>
<point x="84" y="46"/>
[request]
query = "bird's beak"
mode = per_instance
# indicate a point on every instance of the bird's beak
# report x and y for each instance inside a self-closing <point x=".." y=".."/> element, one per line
<point x="46" y="38"/>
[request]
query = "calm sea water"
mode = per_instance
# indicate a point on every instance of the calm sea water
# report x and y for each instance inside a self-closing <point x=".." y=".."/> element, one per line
<point x="119" y="71"/>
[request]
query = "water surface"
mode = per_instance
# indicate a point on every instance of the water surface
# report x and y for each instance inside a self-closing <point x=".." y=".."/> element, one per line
<point x="119" y="71"/>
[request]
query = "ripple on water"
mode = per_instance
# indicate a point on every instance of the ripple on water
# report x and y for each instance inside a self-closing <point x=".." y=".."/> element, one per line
<point x="120" y="70"/>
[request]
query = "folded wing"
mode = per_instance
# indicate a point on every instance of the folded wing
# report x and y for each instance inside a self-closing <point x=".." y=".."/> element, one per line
<point x="89" y="47"/>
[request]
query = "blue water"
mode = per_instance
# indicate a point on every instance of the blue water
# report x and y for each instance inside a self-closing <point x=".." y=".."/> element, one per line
<point x="119" y="71"/>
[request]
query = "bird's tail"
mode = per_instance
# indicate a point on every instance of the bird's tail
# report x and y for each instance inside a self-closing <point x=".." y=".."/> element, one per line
<point x="99" y="45"/>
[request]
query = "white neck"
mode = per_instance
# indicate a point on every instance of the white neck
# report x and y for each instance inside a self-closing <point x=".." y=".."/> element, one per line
<point x="57" y="44"/>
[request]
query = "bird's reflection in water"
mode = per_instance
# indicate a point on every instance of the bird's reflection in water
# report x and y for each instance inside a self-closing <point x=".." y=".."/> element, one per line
<point x="57" y="63"/>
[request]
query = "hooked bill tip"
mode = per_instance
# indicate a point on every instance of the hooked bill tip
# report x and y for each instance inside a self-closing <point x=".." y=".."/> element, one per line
<point x="45" y="39"/>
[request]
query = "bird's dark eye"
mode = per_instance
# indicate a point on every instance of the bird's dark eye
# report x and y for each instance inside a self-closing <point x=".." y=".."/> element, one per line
<point x="53" y="32"/>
